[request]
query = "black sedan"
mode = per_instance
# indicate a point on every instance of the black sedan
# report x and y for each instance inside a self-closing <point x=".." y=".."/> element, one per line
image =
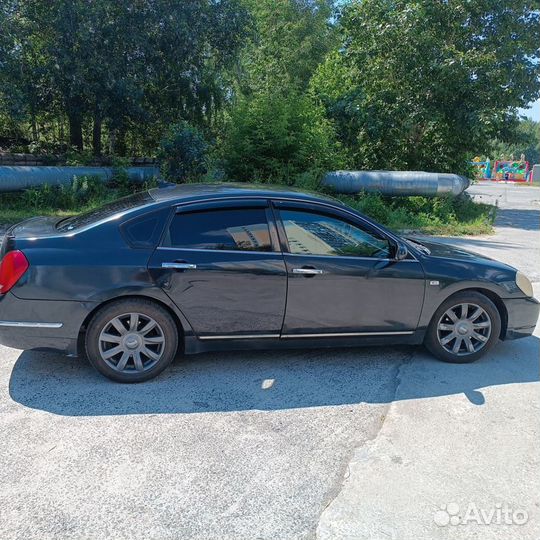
<point x="193" y="268"/>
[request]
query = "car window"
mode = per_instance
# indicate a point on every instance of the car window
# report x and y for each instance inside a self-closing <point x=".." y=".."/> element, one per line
<point x="310" y="233"/>
<point x="241" y="229"/>
<point x="144" y="231"/>
<point x="104" y="212"/>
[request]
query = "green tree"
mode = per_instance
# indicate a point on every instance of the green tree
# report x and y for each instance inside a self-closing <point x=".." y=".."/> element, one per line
<point x="275" y="137"/>
<point x="424" y="84"/>
<point x="275" y="130"/>
<point x="289" y="39"/>
<point x="523" y="140"/>
<point x="183" y="153"/>
<point x="127" y="63"/>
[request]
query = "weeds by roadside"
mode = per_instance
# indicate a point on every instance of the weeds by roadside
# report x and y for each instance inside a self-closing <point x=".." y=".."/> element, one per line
<point x="446" y="216"/>
<point x="84" y="193"/>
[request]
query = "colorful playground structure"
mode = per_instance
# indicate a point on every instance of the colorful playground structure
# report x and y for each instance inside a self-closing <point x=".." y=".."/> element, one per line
<point x="513" y="170"/>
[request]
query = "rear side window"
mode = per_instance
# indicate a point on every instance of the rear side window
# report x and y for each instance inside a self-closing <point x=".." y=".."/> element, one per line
<point x="144" y="231"/>
<point x="238" y="229"/>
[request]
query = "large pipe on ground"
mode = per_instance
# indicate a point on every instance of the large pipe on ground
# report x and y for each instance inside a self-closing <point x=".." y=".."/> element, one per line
<point x="16" y="178"/>
<point x="396" y="182"/>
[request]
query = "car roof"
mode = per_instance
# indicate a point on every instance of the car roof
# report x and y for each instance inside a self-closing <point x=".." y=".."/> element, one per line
<point x="183" y="192"/>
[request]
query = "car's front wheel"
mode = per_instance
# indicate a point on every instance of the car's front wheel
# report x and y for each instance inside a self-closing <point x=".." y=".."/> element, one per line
<point x="463" y="328"/>
<point x="131" y="340"/>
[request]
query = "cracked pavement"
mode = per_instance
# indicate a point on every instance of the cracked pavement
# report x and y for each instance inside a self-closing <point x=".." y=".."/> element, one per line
<point x="336" y="444"/>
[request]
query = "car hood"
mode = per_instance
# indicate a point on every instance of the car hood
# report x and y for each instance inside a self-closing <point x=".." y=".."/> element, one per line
<point x="447" y="251"/>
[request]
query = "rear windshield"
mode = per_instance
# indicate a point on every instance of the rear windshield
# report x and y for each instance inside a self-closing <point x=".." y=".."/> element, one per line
<point x="103" y="212"/>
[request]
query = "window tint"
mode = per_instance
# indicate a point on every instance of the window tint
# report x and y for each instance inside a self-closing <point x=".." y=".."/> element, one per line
<point x="144" y="231"/>
<point x="309" y="233"/>
<point x="243" y="229"/>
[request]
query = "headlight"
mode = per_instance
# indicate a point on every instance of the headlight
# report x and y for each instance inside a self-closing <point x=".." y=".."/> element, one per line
<point x="522" y="281"/>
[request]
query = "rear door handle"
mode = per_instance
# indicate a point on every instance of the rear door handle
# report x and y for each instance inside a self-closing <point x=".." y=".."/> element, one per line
<point x="179" y="265"/>
<point x="307" y="271"/>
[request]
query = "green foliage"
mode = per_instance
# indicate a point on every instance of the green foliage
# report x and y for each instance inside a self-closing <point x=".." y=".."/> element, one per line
<point x="84" y="193"/>
<point x="524" y="139"/>
<point x="119" y="64"/>
<point x="430" y="215"/>
<point x="274" y="137"/>
<point x="183" y="153"/>
<point x="288" y="41"/>
<point x="423" y="85"/>
<point x="76" y="157"/>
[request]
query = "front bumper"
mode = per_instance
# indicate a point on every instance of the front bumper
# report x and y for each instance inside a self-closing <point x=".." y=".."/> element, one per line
<point x="41" y="324"/>
<point x="522" y="317"/>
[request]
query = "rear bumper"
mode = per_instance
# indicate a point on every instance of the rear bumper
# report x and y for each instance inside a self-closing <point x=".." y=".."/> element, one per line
<point x="41" y="324"/>
<point x="522" y="317"/>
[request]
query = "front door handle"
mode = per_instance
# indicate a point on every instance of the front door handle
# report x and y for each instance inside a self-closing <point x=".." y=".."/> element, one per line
<point x="179" y="265"/>
<point x="307" y="271"/>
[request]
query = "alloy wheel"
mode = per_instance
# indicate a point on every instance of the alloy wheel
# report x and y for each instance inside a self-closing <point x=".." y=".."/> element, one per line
<point x="464" y="329"/>
<point x="132" y="342"/>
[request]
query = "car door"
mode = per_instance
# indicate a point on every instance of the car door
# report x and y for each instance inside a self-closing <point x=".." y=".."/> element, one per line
<point x="343" y="275"/>
<point x="221" y="264"/>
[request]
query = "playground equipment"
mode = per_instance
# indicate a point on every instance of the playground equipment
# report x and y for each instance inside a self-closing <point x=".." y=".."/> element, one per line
<point x="514" y="170"/>
<point x="396" y="182"/>
<point x="482" y="169"/>
<point x="517" y="171"/>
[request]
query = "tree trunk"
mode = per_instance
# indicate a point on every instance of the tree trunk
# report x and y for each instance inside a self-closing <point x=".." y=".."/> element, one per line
<point x="96" y="135"/>
<point x="35" y="135"/>
<point x="120" y="142"/>
<point x="75" y="130"/>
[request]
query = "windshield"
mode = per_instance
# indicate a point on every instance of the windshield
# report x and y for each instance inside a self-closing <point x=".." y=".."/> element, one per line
<point x="103" y="212"/>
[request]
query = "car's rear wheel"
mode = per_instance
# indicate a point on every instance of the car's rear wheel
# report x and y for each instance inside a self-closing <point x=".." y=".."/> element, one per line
<point x="464" y="328"/>
<point x="131" y="340"/>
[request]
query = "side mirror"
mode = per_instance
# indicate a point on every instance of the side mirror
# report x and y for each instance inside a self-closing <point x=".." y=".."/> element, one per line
<point x="401" y="252"/>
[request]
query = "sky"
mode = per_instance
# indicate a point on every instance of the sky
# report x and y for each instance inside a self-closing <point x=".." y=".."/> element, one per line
<point x="532" y="112"/>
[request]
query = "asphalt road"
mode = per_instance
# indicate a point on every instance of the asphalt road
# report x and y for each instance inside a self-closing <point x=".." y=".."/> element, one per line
<point x="347" y="444"/>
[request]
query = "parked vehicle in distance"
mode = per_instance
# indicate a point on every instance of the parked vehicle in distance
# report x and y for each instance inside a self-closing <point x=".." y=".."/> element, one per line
<point x="194" y="267"/>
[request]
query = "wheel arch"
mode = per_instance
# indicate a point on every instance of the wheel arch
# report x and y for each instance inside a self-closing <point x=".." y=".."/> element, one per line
<point x="495" y="298"/>
<point x="176" y="318"/>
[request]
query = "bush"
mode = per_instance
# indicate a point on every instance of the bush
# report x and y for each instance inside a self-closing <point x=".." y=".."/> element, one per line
<point x="183" y="153"/>
<point x="274" y="138"/>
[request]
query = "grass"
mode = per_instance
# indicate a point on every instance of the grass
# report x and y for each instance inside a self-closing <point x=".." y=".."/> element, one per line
<point x="11" y="212"/>
<point x="444" y="216"/>
<point x="83" y="194"/>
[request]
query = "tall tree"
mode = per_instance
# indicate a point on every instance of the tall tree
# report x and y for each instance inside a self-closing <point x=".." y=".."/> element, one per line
<point x="288" y="41"/>
<point x="125" y="63"/>
<point x="423" y="84"/>
<point x="276" y="131"/>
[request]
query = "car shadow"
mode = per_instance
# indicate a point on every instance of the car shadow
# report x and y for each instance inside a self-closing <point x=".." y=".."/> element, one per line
<point x="518" y="218"/>
<point x="269" y="381"/>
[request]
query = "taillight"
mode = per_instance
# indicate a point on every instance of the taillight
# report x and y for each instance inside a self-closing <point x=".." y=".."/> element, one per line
<point x="13" y="266"/>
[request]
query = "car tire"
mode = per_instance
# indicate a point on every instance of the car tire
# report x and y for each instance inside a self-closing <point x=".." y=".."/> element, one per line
<point x="462" y="335"/>
<point x="131" y="340"/>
